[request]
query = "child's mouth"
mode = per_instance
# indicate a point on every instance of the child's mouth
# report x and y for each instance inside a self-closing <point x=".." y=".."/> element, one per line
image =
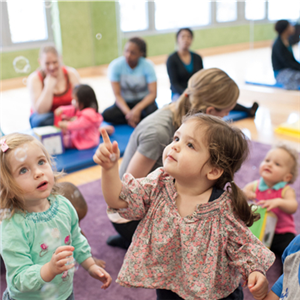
<point x="43" y="185"/>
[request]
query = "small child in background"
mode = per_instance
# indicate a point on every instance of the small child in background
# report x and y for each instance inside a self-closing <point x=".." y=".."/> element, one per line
<point x="81" y="120"/>
<point x="40" y="235"/>
<point x="287" y="287"/>
<point x="192" y="241"/>
<point x="272" y="191"/>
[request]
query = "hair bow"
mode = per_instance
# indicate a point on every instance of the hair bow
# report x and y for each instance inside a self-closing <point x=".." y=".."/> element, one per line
<point x="3" y="145"/>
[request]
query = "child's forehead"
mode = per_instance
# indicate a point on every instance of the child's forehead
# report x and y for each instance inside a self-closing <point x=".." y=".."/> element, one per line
<point x="280" y="153"/>
<point x="24" y="151"/>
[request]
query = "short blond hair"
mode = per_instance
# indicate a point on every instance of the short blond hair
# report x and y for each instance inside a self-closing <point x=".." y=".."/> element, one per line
<point x="48" y="48"/>
<point x="294" y="157"/>
<point x="10" y="193"/>
<point x="208" y="87"/>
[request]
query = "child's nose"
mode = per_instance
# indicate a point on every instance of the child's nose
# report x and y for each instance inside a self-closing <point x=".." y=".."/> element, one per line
<point x="38" y="173"/>
<point x="176" y="146"/>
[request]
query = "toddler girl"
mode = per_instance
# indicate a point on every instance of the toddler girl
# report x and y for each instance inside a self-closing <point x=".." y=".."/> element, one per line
<point x="40" y="235"/>
<point x="271" y="191"/>
<point x="192" y="241"/>
<point x="81" y="120"/>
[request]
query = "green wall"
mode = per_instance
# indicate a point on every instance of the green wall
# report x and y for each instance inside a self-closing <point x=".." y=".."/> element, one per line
<point x="80" y="22"/>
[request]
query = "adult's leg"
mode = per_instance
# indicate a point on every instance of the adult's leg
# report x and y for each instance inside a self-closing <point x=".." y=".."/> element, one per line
<point x="237" y="294"/>
<point x="38" y="120"/>
<point x="167" y="295"/>
<point x="149" y="110"/>
<point x="113" y="114"/>
<point x="289" y="78"/>
<point x="249" y="110"/>
<point x="280" y="242"/>
<point x="125" y="234"/>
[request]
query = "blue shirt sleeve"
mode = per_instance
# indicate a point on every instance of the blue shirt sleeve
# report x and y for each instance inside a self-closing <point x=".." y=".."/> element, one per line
<point x="114" y="70"/>
<point x="149" y="71"/>
<point x="277" y="287"/>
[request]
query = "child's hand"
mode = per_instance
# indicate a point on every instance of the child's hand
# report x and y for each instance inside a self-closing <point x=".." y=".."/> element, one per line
<point x="57" y="264"/>
<point x="63" y="124"/>
<point x="250" y="195"/>
<point x="108" y="153"/>
<point x="58" y="111"/>
<point x="100" y="274"/>
<point x="258" y="285"/>
<point x="269" y="204"/>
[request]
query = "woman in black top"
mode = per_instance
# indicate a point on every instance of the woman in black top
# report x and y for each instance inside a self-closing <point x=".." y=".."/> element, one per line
<point x="286" y="67"/>
<point x="183" y="63"/>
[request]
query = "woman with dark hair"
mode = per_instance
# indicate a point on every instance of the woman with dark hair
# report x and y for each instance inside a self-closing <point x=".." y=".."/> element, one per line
<point x="133" y="82"/>
<point x="183" y="63"/>
<point x="286" y="67"/>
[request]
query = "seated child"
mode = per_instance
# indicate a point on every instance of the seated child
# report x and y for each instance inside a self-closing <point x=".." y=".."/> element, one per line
<point x="193" y="241"/>
<point x="287" y="287"/>
<point x="81" y="120"/>
<point x="271" y="191"/>
<point x="41" y="234"/>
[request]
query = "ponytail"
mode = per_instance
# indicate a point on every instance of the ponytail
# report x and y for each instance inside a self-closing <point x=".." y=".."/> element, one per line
<point x="241" y="206"/>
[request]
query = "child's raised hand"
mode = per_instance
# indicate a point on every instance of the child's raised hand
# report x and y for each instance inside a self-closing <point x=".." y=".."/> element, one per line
<point x="108" y="153"/>
<point x="258" y="285"/>
<point x="58" y="111"/>
<point x="63" y="124"/>
<point x="100" y="274"/>
<point x="60" y="257"/>
<point x="250" y="195"/>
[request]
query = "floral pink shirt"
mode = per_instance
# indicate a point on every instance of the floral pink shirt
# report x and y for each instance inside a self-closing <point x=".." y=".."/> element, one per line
<point x="200" y="256"/>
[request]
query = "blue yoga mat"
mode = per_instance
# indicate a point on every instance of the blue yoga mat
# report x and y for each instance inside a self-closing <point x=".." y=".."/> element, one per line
<point x="275" y="85"/>
<point x="236" y="115"/>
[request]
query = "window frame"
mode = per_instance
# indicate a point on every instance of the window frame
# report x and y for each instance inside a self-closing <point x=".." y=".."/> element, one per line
<point x="241" y="20"/>
<point x="6" y="43"/>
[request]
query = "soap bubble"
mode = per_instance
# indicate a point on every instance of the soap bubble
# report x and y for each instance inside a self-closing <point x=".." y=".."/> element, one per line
<point x="112" y="157"/>
<point x="76" y="266"/>
<point x="98" y="36"/>
<point x="253" y="167"/>
<point x="21" y="153"/>
<point x="24" y="80"/>
<point x="52" y="238"/>
<point x="48" y="4"/>
<point x="76" y="194"/>
<point x="49" y="291"/>
<point x="21" y="64"/>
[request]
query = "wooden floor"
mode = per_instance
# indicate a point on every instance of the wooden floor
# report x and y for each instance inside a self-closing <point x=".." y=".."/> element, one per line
<point x="275" y="105"/>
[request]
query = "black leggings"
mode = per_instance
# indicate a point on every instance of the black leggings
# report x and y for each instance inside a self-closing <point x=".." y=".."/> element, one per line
<point x="169" y="295"/>
<point x="113" y="114"/>
<point x="280" y="242"/>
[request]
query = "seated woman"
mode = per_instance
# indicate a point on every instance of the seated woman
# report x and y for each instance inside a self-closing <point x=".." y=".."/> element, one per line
<point x="133" y="82"/>
<point x="286" y="68"/>
<point x="183" y="64"/>
<point x="50" y="86"/>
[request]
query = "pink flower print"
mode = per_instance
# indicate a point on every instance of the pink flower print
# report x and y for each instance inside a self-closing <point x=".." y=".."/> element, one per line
<point x="44" y="249"/>
<point x="67" y="240"/>
<point x="64" y="275"/>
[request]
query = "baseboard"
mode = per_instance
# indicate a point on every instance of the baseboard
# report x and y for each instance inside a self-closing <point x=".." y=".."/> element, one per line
<point x="14" y="83"/>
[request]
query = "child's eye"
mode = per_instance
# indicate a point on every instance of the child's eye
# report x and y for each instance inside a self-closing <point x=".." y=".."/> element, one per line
<point x="277" y="164"/>
<point x="23" y="171"/>
<point x="176" y="138"/>
<point x="41" y="162"/>
<point x="190" y="145"/>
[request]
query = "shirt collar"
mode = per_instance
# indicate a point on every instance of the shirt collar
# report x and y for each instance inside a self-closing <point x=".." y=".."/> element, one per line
<point x="263" y="186"/>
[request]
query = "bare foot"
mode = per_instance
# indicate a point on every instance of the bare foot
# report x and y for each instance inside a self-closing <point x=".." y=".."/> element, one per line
<point x="99" y="262"/>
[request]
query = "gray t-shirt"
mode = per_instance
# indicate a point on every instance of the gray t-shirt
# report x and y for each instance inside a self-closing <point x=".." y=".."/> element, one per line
<point x="150" y="138"/>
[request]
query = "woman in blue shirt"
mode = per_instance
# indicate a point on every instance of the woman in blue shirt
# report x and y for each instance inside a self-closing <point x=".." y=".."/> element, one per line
<point x="133" y="82"/>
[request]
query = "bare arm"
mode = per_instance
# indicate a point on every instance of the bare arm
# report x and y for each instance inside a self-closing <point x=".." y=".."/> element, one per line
<point x="120" y="102"/>
<point x="41" y="97"/>
<point x="150" y="98"/>
<point x="248" y="190"/>
<point x="73" y="76"/>
<point x="140" y="165"/>
<point x="107" y="156"/>
<point x="271" y="296"/>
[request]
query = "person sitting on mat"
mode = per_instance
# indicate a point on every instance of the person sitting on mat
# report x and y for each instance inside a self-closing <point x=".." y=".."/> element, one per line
<point x="193" y="240"/>
<point x="183" y="64"/>
<point x="272" y="191"/>
<point x="210" y="91"/>
<point x="286" y="68"/>
<point x="287" y="287"/>
<point x="80" y="121"/>
<point x="50" y="87"/>
<point x="133" y="81"/>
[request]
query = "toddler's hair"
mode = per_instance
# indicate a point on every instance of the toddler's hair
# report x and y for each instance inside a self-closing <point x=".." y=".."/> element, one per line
<point x="295" y="158"/>
<point x="228" y="149"/>
<point x="86" y="96"/>
<point x="10" y="193"/>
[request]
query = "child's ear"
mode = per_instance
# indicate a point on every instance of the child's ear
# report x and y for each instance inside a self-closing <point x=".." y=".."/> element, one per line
<point x="215" y="173"/>
<point x="288" y="177"/>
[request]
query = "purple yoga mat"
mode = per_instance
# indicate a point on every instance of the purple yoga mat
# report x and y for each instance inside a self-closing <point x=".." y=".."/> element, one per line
<point x="98" y="228"/>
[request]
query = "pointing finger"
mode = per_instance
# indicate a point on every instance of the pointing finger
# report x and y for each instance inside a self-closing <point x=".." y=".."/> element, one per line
<point x="105" y="136"/>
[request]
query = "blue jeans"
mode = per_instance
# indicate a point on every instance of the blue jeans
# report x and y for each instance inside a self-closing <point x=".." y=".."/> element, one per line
<point x="289" y="78"/>
<point x="38" y="120"/>
<point x="7" y="297"/>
